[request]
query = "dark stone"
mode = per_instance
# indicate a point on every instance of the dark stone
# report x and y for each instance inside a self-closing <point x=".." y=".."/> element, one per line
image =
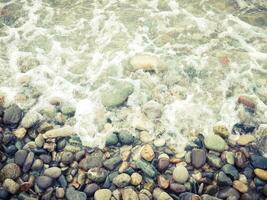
<point x="248" y="172"/>
<point x="62" y="181"/>
<point x="20" y="157"/>
<point x="28" y="162"/>
<point x="67" y="158"/>
<point x="198" y="157"/>
<point x="258" y="182"/>
<point x="112" y="163"/>
<point x="107" y="183"/>
<point x="264" y="190"/>
<point x="211" y="190"/>
<point x="246" y="196"/>
<point x="11" y="150"/>
<point x="61" y="144"/>
<point x="259" y="162"/>
<point x="177" y="188"/>
<point x="10" y="170"/>
<point x="126" y="137"/>
<point x="228" y="192"/>
<point x="240" y="160"/>
<point x="4" y="194"/>
<point x="231" y="171"/>
<point x="111" y="139"/>
<point x="45" y="158"/>
<point x="97" y="175"/>
<point x="223" y="179"/>
<point x="79" y="155"/>
<point x="48" y="194"/>
<point x="90" y="189"/>
<point x="9" y="139"/>
<point x="12" y="116"/>
<point x="163" y="164"/>
<point x="44" y="181"/>
<point x="39" y="151"/>
<point x="95" y="159"/>
<point x="242" y="128"/>
<point x="72" y="194"/>
<point x="147" y="168"/>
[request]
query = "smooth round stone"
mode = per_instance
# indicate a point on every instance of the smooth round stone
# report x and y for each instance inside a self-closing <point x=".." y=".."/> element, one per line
<point x="231" y="171"/>
<point x="223" y="179"/>
<point x="240" y="160"/>
<point x="12" y="115"/>
<point x="228" y="192"/>
<point x="72" y="194"/>
<point x="147" y="152"/>
<point x="122" y="180"/>
<point x="11" y="150"/>
<point x="11" y="171"/>
<point x="136" y="179"/>
<point x="129" y="193"/>
<point x="246" y="196"/>
<point x="67" y="157"/>
<point x="4" y="194"/>
<point x="79" y="155"/>
<point x="163" y="164"/>
<point x="180" y="174"/>
<point x="214" y="142"/>
<point x="28" y="162"/>
<point x="241" y="187"/>
<point x="245" y="139"/>
<point x="163" y="182"/>
<point x="145" y="137"/>
<point x="259" y="162"/>
<point x="230" y="157"/>
<point x="93" y="160"/>
<point x="39" y="141"/>
<point x="112" y="163"/>
<point x="45" y="158"/>
<point x="159" y="194"/>
<point x="221" y="130"/>
<point x="90" y="189"/>
<point x="177" y="188"/>
<point x="11" y="186"/>
<point x="60" y="193"/>
<point x="198" y="157"/>
<point x="262" y="174"/>
<point x="159" y="142"/>
<point x="126" y="137"/>
<point x="53" y="172"/>
<point x="97" y="174"/>
<point x="20" y="133"/>
<point x="102" y="194"/>
<point x="37" y="164"/>
<point x="20" y="157"/>
<point x="44" y="181"/>
<point x="112" y="139"/>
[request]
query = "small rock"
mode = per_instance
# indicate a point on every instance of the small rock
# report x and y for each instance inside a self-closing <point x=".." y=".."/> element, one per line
<point x="223" y="179"/>
<point x="214" y="142"/>
<point x="145" y="61"/>
<point x="112" y="163"/>
<point x="129" y="194"/>
<point x="241" y="187"/>
<point x="136" y="179"/>
<point x="247" y="102"/>
<point x="111" y="139"/>
<point x="102" y="194"/>
<point x="67" y="157"/>
<point x="53" y="172"/>
<point x="59" y="132"/>
<point x="145" y="137"/>
<point x="146" y="167"/>
<point x="240" y="160"/>
<point x="11" y="186"/>
<point x="124" y="166"/>
<point x="214" y="161"/>
<point x="125" y="137"/>
<point x="228" y="192"/>
<point x="4" y="194"/>
<point x="90" y="189"/>
<point x="60" y="193"/>
<point x="12" y="116"/>
<point x="208" y="197"/>
<point x="31" y="119"/>
<point x="246" y="196"/>
<point x="39" y="141"/>
<point x="159" y="194"/>
<point x="163" y="182"/>
<point x="163" y="164"/>
<point x="245" y="139"/>
<point x="177" y="188"/>
<point x="221" y="130"/>
<point x="97" y="174"/>
<point x="160" y="142"/>
<point x="95" y="159"/>
<point x="180" y="174"/>
<point x="259" y="162"/>
<point x="147" y="152"/>
<point x="122" y="180"/>
<point x="11" y="171"/>
<point x="265" y="190"/>
<point x="198" y="157"/>
<point x="230" y="157"/>
<point x="231" y="171"/>
<point x="20" y="157"/>
<point x="43" y="181"/>
<point x="20" y="133"/>
<point x="28" y="162"/>
<point x="37" y="164"/>
<point x="262" y="174"/>
<point x="45" y="158"/>
<point x="72" y="194"/>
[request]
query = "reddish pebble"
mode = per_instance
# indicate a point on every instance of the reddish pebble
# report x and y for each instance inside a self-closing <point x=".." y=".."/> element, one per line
<point x="247" y="102"/>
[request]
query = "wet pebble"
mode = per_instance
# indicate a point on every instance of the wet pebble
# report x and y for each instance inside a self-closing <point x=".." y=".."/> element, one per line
<point x="37" y="164"/>
<point x="228" y="192"/>
<point x="45" y="158"/>
<point x="97" y="174"/>
<point x="125" y="137"/>
<point x="39" y="141"/>
<point x="198" y="157"/>
<point x="231" y="171"/>
<point x="136" y="179"/>
<point x="11" y="186"/>
<point x="28" y="162"/>
<point x="12" y="115"/>
<point x="147" y="152"/>
<point x="102" y="194"/>
<point x="163" y="164"/>
<point x="20" y="133"/>
<point x="53" y="172"/>
<point x="240" y="160"/>
<point x="180" y="174"/>
<point x="241" y="187"/>
<point x="44" y="181"/>
<point x="177" y="188"/>
<point x="129" y="194"/>
<point x="93" y="160"/>
<point x="112" y="163"/>
<point x="72" y="194"/>
<point x="122" y="180"/>
<point x="163" y="182"/>
<point x="4" y="194"/>
<point x="214" y="142"/>
<point x="223" y="179"/>
<point x="259" y="162"/>
<point x="112" y="139"/>
<point x="60" y="192"/>
<point x="67" y="157"/>
<point x="11" y="171"/>
<point x="262" y="174"/>
<point x="90" y="189"/>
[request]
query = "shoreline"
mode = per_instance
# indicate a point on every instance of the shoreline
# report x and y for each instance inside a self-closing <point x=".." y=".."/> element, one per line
<point x="40" y="162"/>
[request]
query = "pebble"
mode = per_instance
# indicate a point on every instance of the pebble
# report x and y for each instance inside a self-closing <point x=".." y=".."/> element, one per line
<point x="177" y="188"/>
<point x="11" y="171"/>
<point x="259" y="162"/>
<point x="180" y="174"/>
<point x="28" y="162"/>
<point x="123" y="167"/>
<point x="90" y="189"/>
<point x="214" y="161"/>
<point x="159" y="142"/>
<point x="247" y="102"/>
<point x="159" y="194"/>
<point x="59" y="132"/>
<point x="60" y="193"/>
<point x="112" y="163"/>
<point x="146" y="167"/>
<point x="31" y="119"/>
<point x="223" y="179"/>
<point x="53" y="172"/>
<point x="240" y="160"/>
<point x="265" y="190"/>
<point x="37" y="164"/>
<point x="102" y="194"/>
<point x="20" y="133"/>
<point x="43" y="181"/>
<point x="136" y="179"/>
<point x="245" y="139"/>
<point x="228" y="192"/>
<point x="163" y="164"/>
<point x="145" y="62"/>
<point x="39" y="141"/>
<point x="111" y="139"/>
<point x="198" y="157"/>
<point x="125" y="137"/>
<point x="129" y="194"/>
<point x="231" y="171"/>
<point x="145" y="137"/>
<point x="221" y="130"/>
<point x="163" y="182"/>
<point x="214" y="142"/>
<point x="4" y="194"/>
<point x="72" y="194"/>
<point x="147" y="152"/>
<point x="97" y="174"/>
<point x="12" y="115"/>
<point x="45" y="158"/>
<point x="122" y="180"/>
<point x="262" y="174"/>
<point x="208" y="197"/>
<point x="11" y="186"/>
<point x="230" y="157"/>
<point x="67" y="157"/>
<point x="241" y="187"/>
<point x="95" y="159"/>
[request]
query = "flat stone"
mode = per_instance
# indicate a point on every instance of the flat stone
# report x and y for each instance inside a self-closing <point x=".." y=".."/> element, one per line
<point x="12" y="115"/>
<point x="198" y="157"/>
<point x="146" y="167"/>
<point x="129" y="194"/>
<point x="72" y="194"/>
<point x="245" y="139"/>
<point x="97" y="174"/>
<point x="223" y="179"/>
<point x="53" y="172"/>
<point x="180" y="174"/>
<point x="28" y="162"/>
<point x="31" y="119"/>
<point x="11" y="171"/>
<point x="60" y="193"/>
<point x="259" y="162"/>
<point x="11" y="186"/>
<point x="262" y="174"/>
<point x="59" y="132"/>
<point x="122" y="180"/>
<point x="103" y="194"/>
<point x="241" y="187"/>
<point x="147" y="152"/>
<point x="112" y="163"/>
<point x="214" y="142"/>
<point x="230" y="171"/>
<point x="95" y="159"/>
<point x="43" y="181"/>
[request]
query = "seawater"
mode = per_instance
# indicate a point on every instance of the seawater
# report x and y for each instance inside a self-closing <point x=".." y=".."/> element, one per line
<point x="212" y="51"/>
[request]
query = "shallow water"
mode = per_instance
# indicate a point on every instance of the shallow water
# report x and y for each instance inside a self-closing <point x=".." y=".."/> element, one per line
<point x="211" y="53"/>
